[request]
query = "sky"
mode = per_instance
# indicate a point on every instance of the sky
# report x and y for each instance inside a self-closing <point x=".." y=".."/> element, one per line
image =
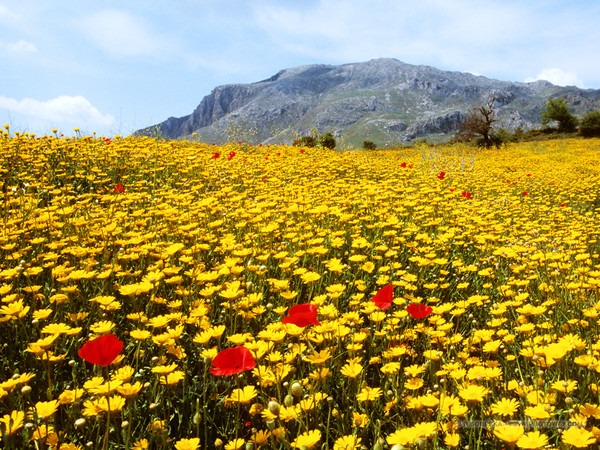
<point x="113" y="67"/>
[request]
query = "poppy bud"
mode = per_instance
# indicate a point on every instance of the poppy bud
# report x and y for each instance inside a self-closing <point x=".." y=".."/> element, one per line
<point x="271" y="425"/>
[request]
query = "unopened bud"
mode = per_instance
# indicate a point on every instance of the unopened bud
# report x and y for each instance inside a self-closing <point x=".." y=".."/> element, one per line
<point x="273" y="407"/>
<point x="297" y="390"/>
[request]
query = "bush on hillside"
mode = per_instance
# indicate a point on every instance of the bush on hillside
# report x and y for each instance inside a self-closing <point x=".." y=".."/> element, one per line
<point x="590" y="124"/>
<point x="369" y="145"/>
<point x="327" y="141"/>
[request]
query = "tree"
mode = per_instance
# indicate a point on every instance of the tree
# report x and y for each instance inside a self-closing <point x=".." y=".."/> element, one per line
<point x="555" y="110"/>
<point x="369" y="145"/>
<point x="590" y="124"/>
<point x="327" y="141"/>
<point x="479" y="123"/>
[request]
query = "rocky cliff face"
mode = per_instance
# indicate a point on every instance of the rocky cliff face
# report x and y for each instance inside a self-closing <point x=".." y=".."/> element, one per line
<point x="383" y="100"/>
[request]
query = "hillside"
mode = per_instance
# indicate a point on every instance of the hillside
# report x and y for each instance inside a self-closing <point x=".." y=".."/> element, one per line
<point x="383" y="100"/>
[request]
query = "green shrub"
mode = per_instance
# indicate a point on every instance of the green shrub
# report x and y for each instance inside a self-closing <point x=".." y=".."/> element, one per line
<point x="327" y="141"/>
<point x="369" y="145"/>
<point x="306" y="141"/>
<point x="590" y="124"/>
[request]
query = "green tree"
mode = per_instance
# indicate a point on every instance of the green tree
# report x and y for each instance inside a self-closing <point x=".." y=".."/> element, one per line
<point x="369" y="145"/>
<point x="555" y="110"/>
<point x="327" y="141"/>
<point x="590" y="124"/>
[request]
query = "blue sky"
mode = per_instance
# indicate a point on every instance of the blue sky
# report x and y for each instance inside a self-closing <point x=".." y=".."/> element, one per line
<point x="114" y="66"/>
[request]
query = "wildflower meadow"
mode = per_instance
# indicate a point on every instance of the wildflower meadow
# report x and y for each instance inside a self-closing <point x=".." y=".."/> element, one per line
<point x="178" y="295"/>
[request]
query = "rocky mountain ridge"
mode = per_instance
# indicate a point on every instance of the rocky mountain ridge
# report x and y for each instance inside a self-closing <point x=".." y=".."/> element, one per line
<point x="382" y="100"/>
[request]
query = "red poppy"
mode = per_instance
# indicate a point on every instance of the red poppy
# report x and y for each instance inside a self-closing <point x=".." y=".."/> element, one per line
<point x="232" y="360"/>
<point x="302" y="151"/>
<point x="215" y="156"/>
<point x="101" y="351"/>
<point x="231" y="155"/>
<point x="403" y="165"/>
<point x="418" y="310"/>
<point x="119" y="188"/>
<point x="302" y="315"/>
<point x="525" y="192"/>
<point x="466" y="194"/>
<point x="442" y="175"/>
<point x="383" y="298"/>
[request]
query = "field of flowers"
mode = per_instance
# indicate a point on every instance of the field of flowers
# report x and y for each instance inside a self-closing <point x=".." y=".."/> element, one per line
<point x="158" y="294"/>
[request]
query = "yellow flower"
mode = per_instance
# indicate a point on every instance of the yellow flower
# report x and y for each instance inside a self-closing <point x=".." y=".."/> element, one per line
<point x="235" y="444"/>
<point x="352" y="369"/>
<point x="413" y="383"/>
<point x="70" y="396"/>
<point x="565" y="386"/>
<point x="473" y="392"/>
<point x="368" y="394"/>
<point x="349" y="442"/>
<point x="172" y="378"/>
<point x="142" y="444"/>
<point x="368" y="267"/>
<point x="319" y="357"/>
<point x="15" y="310"/>
<point x="309" y="277"/>
<point x="12" y="422"/>
<point x="578" y="437"/>
<point x="164" y="370"/>
<point x="130" y="390"/>
<point x="452" y="439"/>
<point x="260" y="437"/>
<point x="187" y="444"/>
<point x="308" y="439"/>
<point x="244" y="395"/>
<point x="102" y="327"/>
<point x="539" y="412"/>
<point x="45" y="410"/>
<point x="505" y="407"/>
<point x="415" y="370"/>
<point x="533" y="440"/>
<point x="509" y="433"/>
<point x="359" y="420"/>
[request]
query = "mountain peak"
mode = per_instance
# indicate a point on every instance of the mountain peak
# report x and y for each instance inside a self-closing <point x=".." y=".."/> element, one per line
<point x="383" y="100"/>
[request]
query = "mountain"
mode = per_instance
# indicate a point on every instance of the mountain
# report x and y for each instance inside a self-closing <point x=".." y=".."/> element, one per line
<point x="382" y="100"/>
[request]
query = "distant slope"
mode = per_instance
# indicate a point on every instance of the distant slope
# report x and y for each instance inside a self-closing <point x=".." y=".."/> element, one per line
<point x="383" y="100"/>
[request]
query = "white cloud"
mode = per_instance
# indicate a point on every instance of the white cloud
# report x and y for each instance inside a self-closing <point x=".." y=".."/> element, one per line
<point x="425" y="31"/>
<point x="64" y="112"/>
<point x="20" y="46"/>
<point x="558" y="77"/>
<point x="121" y="34"/>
